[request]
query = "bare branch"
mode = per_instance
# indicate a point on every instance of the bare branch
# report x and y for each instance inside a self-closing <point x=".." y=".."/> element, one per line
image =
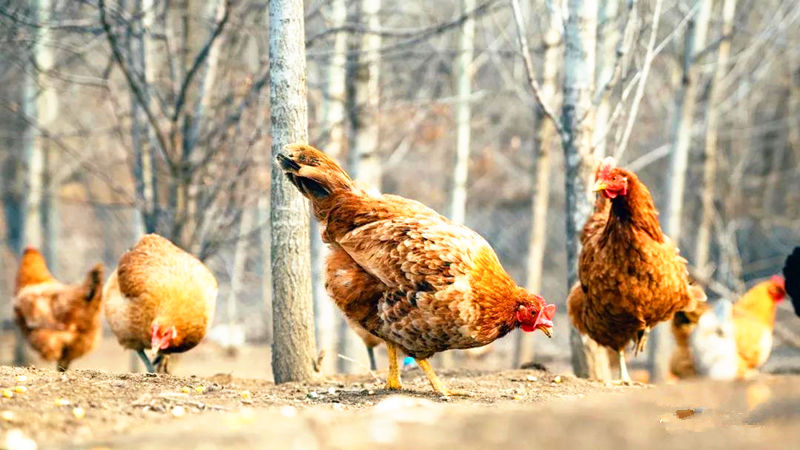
<point x="138" y="92"/>
<point x="526" y="56"/>
<point x="198" y="61"/>
<point x="623" y="47"/>
<point x="648" y="60"/>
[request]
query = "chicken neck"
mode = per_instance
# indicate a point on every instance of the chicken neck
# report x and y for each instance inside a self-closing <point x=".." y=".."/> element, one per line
<point x="634" y="210"/>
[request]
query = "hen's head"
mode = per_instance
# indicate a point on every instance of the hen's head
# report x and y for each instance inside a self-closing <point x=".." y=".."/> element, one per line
<point x="534" y="314"/>
<point x="162" y="337"/>
<point x="611" y="180"/>
<point x="777" y="288"/>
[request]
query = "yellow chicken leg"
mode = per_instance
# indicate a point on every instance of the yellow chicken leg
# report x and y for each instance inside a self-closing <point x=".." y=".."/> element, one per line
<point x="624" y="378"/>
<point x="436" y="383"/>
<point x="393" y="380"/>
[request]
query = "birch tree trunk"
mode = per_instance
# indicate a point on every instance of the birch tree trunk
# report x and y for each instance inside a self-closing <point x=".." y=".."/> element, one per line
<point x="239" y="267"/>
<point x="325" y="314"/>
<point x="710" y="163"/>
<point x="293" y="349"/>
<point x="660" y="340"/>
<point x="363" y="160"/>
<point x="608" y="34"/>
<point x="39" y="104"/>
<point x="577" y="119"/>
<point x="458" y="199"/>
<point x="544" y="141"/>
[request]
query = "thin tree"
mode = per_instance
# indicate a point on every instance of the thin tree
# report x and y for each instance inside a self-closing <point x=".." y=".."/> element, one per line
<point x="544" y="140"/>
<point x="577" y="120"/>
<point x="39" y="106"/>
<point x="710" y="157"/>
<point x="608" y="34"/>
<point x="325" y="314"/>
<point x="363" y="109"/>
<point x="458" y="199"/>
<point x="293" y="349"/>
<point x="660" y="347"/>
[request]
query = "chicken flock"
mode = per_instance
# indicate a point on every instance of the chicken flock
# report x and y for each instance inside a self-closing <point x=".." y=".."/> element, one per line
<point x="406" y="276"/>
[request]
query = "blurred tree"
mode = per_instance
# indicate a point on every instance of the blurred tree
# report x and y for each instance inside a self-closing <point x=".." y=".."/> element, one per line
<point x="293" y="349"/>
<point x="334" y="127"/>
<point x="712" y="124"/>
<point x="544" y="140"/>
<point x="363" y="89"/>
<point x="577" y="119"/>
<point x="608" y="35"/>
<point x="464" y="69"/>
<point x="660" y="341"/>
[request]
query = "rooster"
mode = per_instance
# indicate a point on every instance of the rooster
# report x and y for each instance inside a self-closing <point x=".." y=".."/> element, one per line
<point x="753" y="319"/>
<point x="406" y="274"/>
<point x="61" y="322"/>
<point x="161" y="298"/>
<point x="631" y="276"/>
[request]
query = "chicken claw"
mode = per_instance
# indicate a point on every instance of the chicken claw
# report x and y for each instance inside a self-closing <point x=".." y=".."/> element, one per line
<point x="436" y="383"/>
<point x="393" y="380"/>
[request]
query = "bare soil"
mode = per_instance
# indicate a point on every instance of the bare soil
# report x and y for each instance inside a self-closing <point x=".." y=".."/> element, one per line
<point x="528" y="408"/>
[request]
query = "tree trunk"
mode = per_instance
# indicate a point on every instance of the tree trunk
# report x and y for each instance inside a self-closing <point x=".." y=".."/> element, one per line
<point x="39" y="104"/>
<point x="710" y="163"/>
<point x="293" y="349"/>
<point x="544" y="139"/>
<point x="364" y="162"/>
<point x="458" y="199"/>
<point x="660" y="340"/>
<point x="608" y="34"/>
<point x="325" y="315"/>
<point x="577" y="119"/>
<point x="458" y="196"/>
<point x="237" y="273"/>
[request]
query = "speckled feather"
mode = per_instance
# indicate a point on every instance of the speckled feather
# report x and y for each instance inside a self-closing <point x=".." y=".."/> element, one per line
<point x="402" y="271"/>
<point x="157" y="281"/>
<point x="61" y="322"/>
<point x="631" y="276"/>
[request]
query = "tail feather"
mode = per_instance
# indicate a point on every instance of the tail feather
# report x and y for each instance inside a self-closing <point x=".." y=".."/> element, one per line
<point x="313" y="173"/>
<point x="94" y="283"/>
<point x="32" y="270"/>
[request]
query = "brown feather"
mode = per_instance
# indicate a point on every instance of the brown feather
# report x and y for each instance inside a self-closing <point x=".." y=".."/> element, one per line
<point x="61" y="322"/>
<point x="631" y="276"/>
<point x="157" y="282"/>
<point x="402" y="271"/>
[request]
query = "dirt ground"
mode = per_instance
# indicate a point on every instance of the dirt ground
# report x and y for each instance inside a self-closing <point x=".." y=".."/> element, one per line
<point x="528" y="408"/>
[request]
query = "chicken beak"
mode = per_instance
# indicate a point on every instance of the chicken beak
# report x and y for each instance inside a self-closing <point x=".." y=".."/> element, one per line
<point x="155" y="349"/>
<point x="599" y="186"/>
<point x="547" y="331"/>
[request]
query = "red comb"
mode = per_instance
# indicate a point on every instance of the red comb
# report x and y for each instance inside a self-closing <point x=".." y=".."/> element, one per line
<point x="778" y="281"/>
<point x="605" y="167"/>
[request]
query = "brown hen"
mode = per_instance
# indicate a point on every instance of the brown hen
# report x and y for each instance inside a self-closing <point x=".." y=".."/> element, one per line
<point x="631" y="276"/>
<point x="61" y="322"/>
<point x="406" y="274"/>
<point x="159" y="298"/>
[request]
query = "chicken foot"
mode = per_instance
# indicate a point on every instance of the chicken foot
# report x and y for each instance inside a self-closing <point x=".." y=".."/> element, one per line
<point x="436" y="383"/>
<point x="372" y="365"/>
<point x="393" y="380"/>
<point x="161" y="364"/>
<point x="147" y="364"/>
<point x="624" y="378"/>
